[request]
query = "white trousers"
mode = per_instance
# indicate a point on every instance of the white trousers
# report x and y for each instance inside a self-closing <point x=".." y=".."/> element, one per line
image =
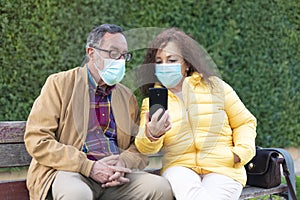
<point x="188" y="185"/>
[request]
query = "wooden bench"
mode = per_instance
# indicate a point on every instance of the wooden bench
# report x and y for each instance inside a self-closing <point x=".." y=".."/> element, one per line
<point x="14" y="155"/>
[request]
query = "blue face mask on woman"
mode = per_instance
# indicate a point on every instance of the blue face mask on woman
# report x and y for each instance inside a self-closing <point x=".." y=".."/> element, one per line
<point x="113" y="71"/>
<point x="168" y="74"/>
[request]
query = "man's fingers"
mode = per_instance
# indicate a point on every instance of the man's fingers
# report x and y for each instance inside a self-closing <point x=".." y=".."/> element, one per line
<point x="115" y="176"/>
<point x="111" y="184"/>
<point x="121" y="169"/>
<point x="120" y="181"/>
<point x="124" y="179"/>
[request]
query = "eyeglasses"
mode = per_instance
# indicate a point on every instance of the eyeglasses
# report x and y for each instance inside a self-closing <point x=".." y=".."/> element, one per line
<point x="113" y="54"/>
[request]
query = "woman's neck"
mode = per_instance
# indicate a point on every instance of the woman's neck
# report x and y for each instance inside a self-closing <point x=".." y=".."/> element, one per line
<point x="177" y="88"/>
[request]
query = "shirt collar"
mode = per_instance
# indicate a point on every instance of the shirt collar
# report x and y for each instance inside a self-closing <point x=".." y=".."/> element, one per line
<point x="98" y="89"/>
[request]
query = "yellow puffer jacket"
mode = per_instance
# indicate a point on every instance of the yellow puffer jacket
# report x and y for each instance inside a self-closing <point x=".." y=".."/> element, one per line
<point x="207" y="128"/>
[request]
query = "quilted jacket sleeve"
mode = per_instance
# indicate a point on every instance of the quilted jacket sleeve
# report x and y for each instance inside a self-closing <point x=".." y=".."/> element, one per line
<point x="243" y="125"/>
<point x="143" y="144"/>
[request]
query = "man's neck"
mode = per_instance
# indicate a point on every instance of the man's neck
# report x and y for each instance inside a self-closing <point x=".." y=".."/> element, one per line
<point x="102" y="84"/>
<point x="98" y="81"/>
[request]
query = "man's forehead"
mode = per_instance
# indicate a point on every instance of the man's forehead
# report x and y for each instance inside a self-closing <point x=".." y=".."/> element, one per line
<point x="112" y="37"/>
<point x="108" y="36"/>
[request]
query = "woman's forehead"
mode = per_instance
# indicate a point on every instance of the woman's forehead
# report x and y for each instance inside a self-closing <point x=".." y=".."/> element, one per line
<point x="171" y="48"/>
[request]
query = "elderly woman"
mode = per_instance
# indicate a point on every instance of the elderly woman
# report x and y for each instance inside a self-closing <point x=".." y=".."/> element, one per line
<point x="207" y="134"/>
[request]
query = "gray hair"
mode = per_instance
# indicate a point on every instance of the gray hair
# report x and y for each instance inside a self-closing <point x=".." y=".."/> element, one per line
<point x="98" y="32"/>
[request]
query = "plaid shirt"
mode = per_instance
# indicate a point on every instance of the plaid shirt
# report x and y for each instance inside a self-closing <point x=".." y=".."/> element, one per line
<point x="101" y="140"/>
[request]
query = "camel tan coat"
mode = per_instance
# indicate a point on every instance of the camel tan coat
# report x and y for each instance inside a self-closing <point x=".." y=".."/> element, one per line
<point x="57" y="126"/>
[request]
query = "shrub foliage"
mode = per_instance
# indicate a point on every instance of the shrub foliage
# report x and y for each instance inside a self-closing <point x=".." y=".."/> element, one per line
<point x="255" y="44"/>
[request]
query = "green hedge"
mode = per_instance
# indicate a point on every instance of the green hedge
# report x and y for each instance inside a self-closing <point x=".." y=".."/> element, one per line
<point x="256" y="45"/>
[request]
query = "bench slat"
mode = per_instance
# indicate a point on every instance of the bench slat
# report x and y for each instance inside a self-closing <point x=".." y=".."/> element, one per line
<point x="14" y="155"/>
<point x="12" y="132"/>
<point x="14" y="190"/>
<point x="252" y="192"/>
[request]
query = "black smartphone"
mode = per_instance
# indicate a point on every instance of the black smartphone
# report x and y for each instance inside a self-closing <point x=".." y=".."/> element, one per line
<point x="158" y="98"/>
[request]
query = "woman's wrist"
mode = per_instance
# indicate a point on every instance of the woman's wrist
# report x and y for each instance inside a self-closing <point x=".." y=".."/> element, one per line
<point x="150" y="136"/>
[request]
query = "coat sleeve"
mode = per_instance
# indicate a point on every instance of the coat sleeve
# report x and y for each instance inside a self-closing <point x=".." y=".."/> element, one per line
<point x="42" y="137"/>
<point x="143" y="144"/>
<point x="243" y="125"/>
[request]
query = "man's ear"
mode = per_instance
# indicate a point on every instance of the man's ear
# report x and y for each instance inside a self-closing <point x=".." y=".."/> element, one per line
<point x="89" y="51"/>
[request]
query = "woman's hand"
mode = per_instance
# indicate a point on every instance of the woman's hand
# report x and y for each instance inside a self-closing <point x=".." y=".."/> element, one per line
<point x="236" y="158"/>
<point x="156" y="128"/>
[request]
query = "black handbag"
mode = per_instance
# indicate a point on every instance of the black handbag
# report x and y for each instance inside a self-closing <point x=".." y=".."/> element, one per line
<point x="264" y="169"/>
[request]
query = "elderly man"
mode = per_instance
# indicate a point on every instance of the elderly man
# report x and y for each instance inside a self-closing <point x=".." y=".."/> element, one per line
<point x="81" y="129"/>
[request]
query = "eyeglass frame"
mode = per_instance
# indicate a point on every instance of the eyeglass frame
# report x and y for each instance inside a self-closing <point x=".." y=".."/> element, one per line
<point x="126" y="55"/>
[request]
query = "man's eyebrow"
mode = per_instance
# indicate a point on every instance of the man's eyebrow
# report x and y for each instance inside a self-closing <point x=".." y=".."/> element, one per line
<point x="116" y="48"/>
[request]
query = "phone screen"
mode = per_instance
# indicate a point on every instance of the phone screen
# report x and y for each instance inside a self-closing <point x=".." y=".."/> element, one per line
<point x="158" y="98"/>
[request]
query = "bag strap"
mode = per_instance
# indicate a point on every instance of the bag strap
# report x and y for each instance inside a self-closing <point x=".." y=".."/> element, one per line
<point x="288" y="180"/>
<point x="288" y="171"/>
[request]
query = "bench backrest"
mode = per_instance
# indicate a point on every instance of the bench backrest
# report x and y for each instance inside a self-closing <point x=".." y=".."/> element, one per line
<point x="12" y="148"/>
<point x="13" y="154"/>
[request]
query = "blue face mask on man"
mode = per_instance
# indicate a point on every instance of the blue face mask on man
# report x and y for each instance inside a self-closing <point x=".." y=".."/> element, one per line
<point x="113" y="71"/>
<point x="168" y="74"/>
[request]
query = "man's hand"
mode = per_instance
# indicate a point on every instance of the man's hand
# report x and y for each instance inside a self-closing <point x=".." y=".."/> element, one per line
<point x="118" y="178"/>
<point x="107" y="169"/>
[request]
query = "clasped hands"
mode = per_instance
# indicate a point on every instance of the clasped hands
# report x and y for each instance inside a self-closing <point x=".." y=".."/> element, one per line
<point x="110" y="171"/>
<point x="156" y="127"/>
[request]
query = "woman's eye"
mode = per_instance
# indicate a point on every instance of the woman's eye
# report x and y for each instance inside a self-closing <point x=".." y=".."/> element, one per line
<point x="172" y="60"/>
<point x="158" y="62"/>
